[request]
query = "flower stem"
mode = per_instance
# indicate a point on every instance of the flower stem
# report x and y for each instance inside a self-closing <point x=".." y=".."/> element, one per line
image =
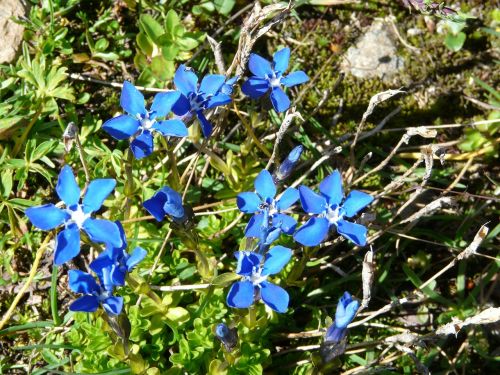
<point x="34" y="268"/>
<point x="250" y="132"/>
<point x="53" y="297"/>
<point x="20" y="141"/>
<point x="129" y="183"/>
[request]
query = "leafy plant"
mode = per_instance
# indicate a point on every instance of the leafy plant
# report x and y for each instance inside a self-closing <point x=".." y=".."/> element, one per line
<point x="159" y="46"/>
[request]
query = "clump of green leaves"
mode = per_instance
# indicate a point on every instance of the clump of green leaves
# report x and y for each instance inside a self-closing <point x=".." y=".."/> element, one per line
<point x="159" y="46"/>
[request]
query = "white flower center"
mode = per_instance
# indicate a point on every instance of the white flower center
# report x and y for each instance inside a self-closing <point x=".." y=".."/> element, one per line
<point x="256" y="278"/>
<point x="334" y="215"/>
<point x="274" y="81"/>
<point x="147" y="123"/>
<point x="77" y="216"/>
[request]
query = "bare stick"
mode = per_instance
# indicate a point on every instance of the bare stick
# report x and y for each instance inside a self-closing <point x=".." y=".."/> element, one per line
<point x="175" y="288"/>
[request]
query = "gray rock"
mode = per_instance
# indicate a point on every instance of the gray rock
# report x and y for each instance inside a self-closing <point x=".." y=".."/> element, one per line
<point x="11" y="33"/>
<point x="374" y="55"/>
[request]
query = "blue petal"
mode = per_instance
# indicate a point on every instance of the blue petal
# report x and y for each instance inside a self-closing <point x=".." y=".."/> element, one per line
<point x="289" y="197"/>
<point x="172" y="128"/>
<point x="241" y="294"/>
<point x="227" y="87"/>
<point x="114" y="251"/>
<point x="280" y="60"/>
<point x="173" y="204"/>
<point x="131" y="100"/>
<point x="163" y="102"/>
<point x="102" y="231"/>
<point x="269" y="237"/>
<point x="246" y="261"/>
<point x="121" y="127"/>
<point x="294" y="79"/>
<point x="255" y="87"/>
<point x="312" y="232"/>
<point x="276" y="258"/>
<point x="259" y="66"/>
<point x="255" y="227"/>
<point x="85" y="304"/>
<point x="185" y="80"/>
<point x="67" y="189"/>
<point x="264" y="185"/>
<point x="274" y="296"/>
<point x="312" y="203"/>
<point x="280" y="100"/>
<point x="135" y="258"/>
<point x="348" y="314"/>
<point x="206" y="126"/>
<point x="142" y="146"/>
<point x="82" y="282"/>
<point x="154" y="205"/>
<point x="352" y="231"/>
<point x="331" y="187"/>
<point x="67" y="245"/>
<point x="356" y="201"/>
<point x="46" y="217"/>
<point x="165" y="201"/>
<point x="286" y="223"/>
<point x="118" y="275"/>
<point x="106" y="279"/>
<point x="113" y="305"/>
<point x="104" y="260"/>
<point x="97" y="193"/>
<point x="248" y="202"/>
<point x="211" y="83"/>
<point x="335" y="334"/>
<point x="218" y="100"/>
<point x="181" y="106"/>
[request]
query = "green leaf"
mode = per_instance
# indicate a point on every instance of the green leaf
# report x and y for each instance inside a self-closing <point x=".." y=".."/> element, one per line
<point x="177" y="315"/>
<point x="224" y="7"/>
<point x="225" y="279"/>
<point x="101" y="45"/>
<point x="455" y="42"/>
<point x="151" y="27"/>
<point x="187" y="43"/>
<point x="170" y="52"/>
<point x="144" y="43"/>
<point x="171" y="22"/>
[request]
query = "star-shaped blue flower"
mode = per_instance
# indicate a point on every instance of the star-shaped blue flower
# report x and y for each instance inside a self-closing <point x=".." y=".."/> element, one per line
<point x="94" y="294"/>
<point x="269" y="76"/>
<point x="140" y="124"/>
<point x="330" y="212"/>
<point x="213" y="91"/>
<point x="267" y="209"/>
<point x="76" y="216"/>
<point x="165" y="201"/>
<point x="117" y="260"/>
<point x="255" y="285"/>
<point x="346" y="311"/>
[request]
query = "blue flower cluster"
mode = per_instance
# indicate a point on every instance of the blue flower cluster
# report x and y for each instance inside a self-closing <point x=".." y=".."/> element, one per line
<point x="193" y="99"/>
<point x="112" y="265"/>
<point x="270" y="220"/>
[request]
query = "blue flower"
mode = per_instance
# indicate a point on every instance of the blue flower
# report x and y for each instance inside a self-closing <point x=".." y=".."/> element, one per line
<point x="346" y="311"/>
<point x="76" y="216"/>
<point x="255" y="285"/>
<point x="140" y="124"/>
<point x="228" y="336"/>
<point x="212" y="92"/>
<point x="94" y="294"/>
<point x="269" y="76"/>
<point x="267" y="209"/>
<point x="117" y="260"/>
<point x="285" y="169"/>
<point x="165" y="201"/>
<point x="330" y="212"/>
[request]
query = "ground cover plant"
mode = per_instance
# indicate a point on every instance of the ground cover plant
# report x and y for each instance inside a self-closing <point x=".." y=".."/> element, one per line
<point x="214" y="187"/>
